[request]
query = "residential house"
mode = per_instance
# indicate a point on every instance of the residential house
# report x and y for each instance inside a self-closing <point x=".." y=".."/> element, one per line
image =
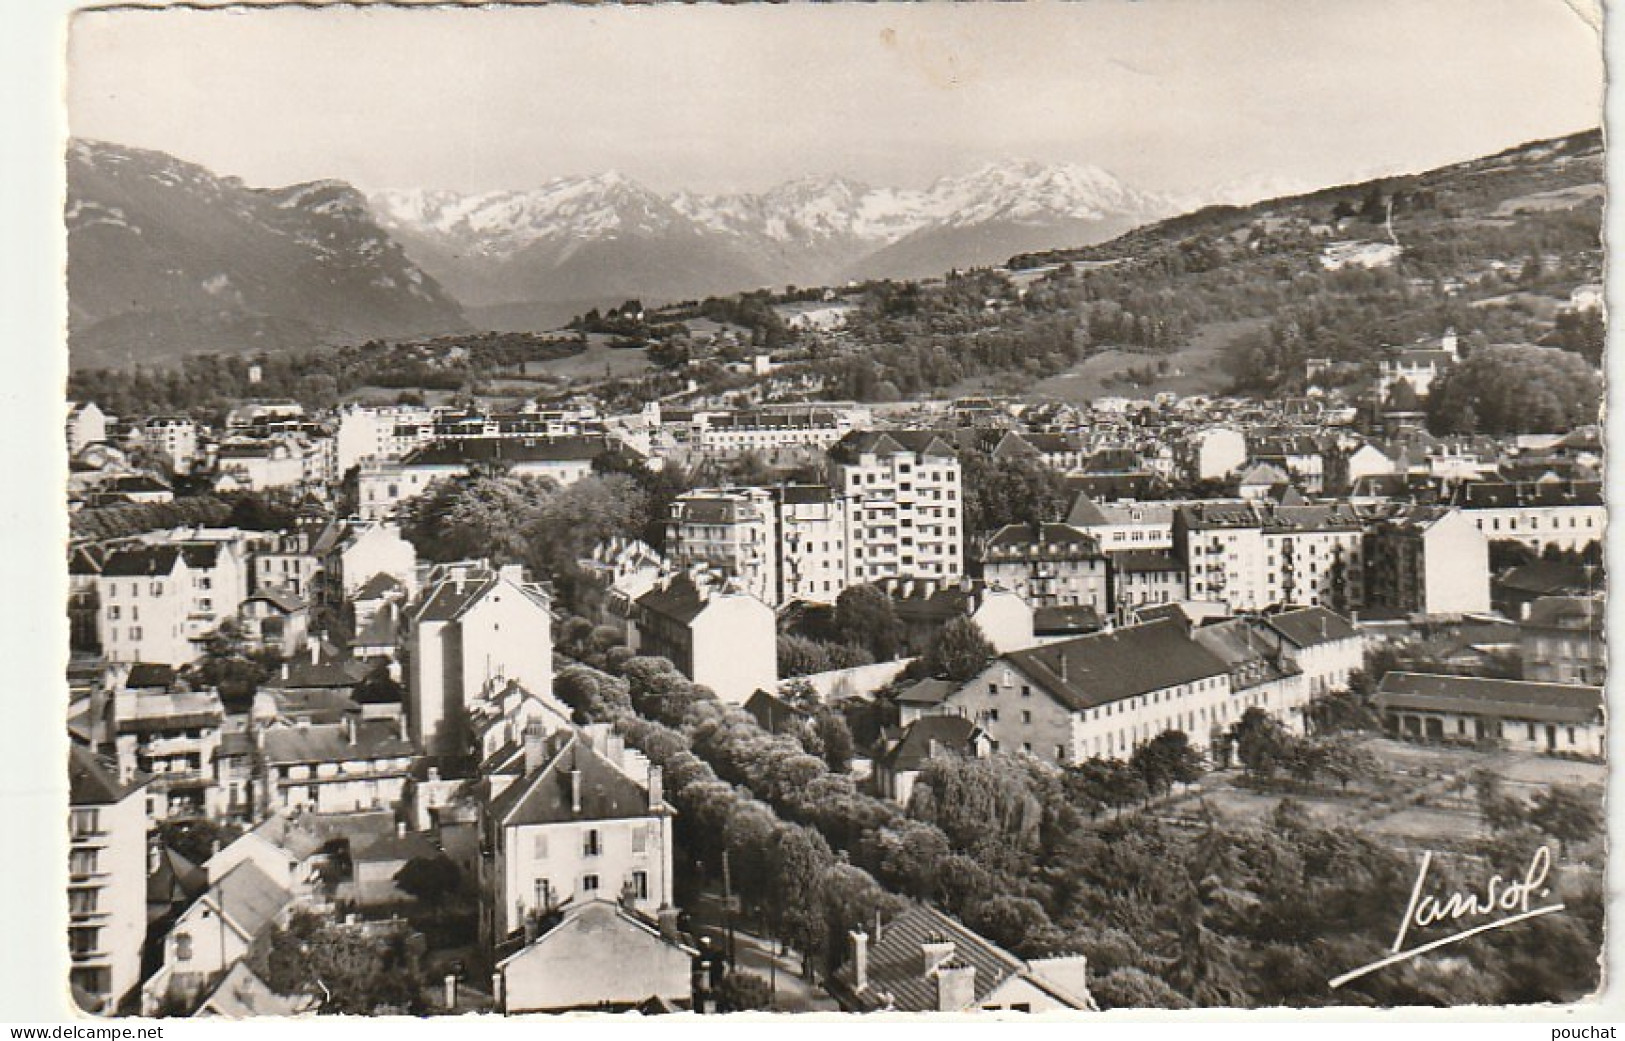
<point x="1569" y="515"/>
<point x="1323" y="645"/>
<point x="87" y="425"/>
<point x="716" y="636"/>
<point x="924" y="961"/>
<point x="1261" y="676"/>
<point x="569" y="818"/>
<point x="596" y="955"/>
<point x="814" y="543"/>
<point x="923" y="607"/>
<point x="1126" y="525"/>
<point x="1562" y="640"/>
<point x="213" y="934"/>
<point x="384" y="486"/>
<point x="900" y="760"/>
<point x="173" y="736"/>
<point x="275" y="620"/>
<point x="1139" y="578"/>
<point x="339" y="767"/>
<point x="1254" y="556"/>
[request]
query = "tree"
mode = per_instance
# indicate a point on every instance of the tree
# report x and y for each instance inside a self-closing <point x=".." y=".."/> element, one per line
<point x="1129" y="987"/>
<point x="1166" y="760"/>
<point x="1517" y="389"/>
<point x="429" y="879"/>
<point x="357" y="972"/>
<point x="1566" y="813"/>
<point x="865" y="616"/>
<point x="1018" y="490"/>
<point x="743" y="992"/>
<point x="959" y="650"/>
<point x="1261" y="743"/>
<point x="834" y="739"/>
<point x="1010" y="921"/>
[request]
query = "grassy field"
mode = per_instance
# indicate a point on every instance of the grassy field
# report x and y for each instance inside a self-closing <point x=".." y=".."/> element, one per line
<point x="598" y="361"/>
<point x="1421" y="798"/>
<point x="1194" y="369"/>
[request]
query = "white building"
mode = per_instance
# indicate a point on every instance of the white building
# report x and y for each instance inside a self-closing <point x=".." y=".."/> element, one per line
<point x="1048" y="565"/>
<point x="1428" y="560"/>
<point x="575" y="817"/>
<point x="1530" y="717"/>
<point x="815" y="529"/>
<point x="1217" y="453"/>
<point x="474" y="629"/>
<point x="718" y="637"/>
<point x="174" y="439"/>
<point x="1100" y="695"/>
<point x="1567" y="515"/>
<point x="730" y="531"/>
<point x="1256" y="555"/>
<point x="906" y="519"/>
<point x="384" y="486"/>
<point x="1125" y="525"/>
<point x="160" y="601"/>
<point x="107" y="880"/>
<point x="87" y="425"/>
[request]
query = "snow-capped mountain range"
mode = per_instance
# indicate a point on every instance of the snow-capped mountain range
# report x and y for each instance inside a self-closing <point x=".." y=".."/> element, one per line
<point x="578" y="236"/>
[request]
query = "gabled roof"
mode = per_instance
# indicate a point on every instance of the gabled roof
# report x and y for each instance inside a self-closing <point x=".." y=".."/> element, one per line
<point x="93" y="781"/>
<point x="890" y="442"/>
<point x="1138" y="561"/>
<point x="247" y="898"/>
<point x="241" y="994"/>
<point x="589" y="922"/>
<point x="923" y="737"/>
<point x="679" y="599"/>
<point x="1475" y="695"/>
<point x="281" y="599"/>
<point x="927" y="692"/>
<point x="377" y="587"/>
<point x="141" y="562"/>
<point x="175" y="880"/>
<point x="897" y="976"/>
<point x="546" y="796"/>
<point x="1311" y="626"/>
<point x="330" y="743"/>
<point x="1108" y="667"/>
<point x="1566" y="612"/>
<point x="1545" y="578"/>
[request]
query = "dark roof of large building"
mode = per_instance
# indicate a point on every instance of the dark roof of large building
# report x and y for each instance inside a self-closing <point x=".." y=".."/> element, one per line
<point x="1311" y="626"/>
<point x="1484" y="495"/>
<point x="1545" y="578"/>
<point x="331" y="742"/>
<point x="546" y="796"/>
<point x="1475" y="695"/>
<point x="448" y="599"/>
<point x="1072" y="620"/>
<point x="927" y="692"/>
<point x="1136" y="561"/>
<point x="1039" y="541"/>
<point x="805" y="494"/>
<point x="455" y="451"/>
<point x="1108" y="667"/>
<point x="141" y="562"/>
<point x="679" y="599"/>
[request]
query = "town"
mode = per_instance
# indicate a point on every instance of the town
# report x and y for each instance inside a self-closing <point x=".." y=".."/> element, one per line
<point x="742" y="698"/>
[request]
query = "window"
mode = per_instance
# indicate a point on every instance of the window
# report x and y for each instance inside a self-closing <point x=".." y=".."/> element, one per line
<point x="83" y="901"/>
<point x="84" y="861"/>
<point x="539" y="846"/>
<point x="640" y="839"/>
<point x="183" y="946"/>
<point x="589" y="883"/>
<point x="1026" y="691"/>
<point x="82" y="940"/>
<point x="991" y="715"/>
<point x="592" y="844"/>
<point x="1026" y="717"/>
<point x="135" y="632"/>
<point x="85" y="821"/>
<point x="640" y="885"/>
<point x="112" y="613"/>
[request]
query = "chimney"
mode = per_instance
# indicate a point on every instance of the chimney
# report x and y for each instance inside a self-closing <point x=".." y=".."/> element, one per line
<point x="315" y="647"/>
<point x="575" y="790"/>
<point x="935" y="953"/>
<point x="956" y="987"/>
<point x="155" y="857"/>
<point x="667" y="916"/>
<point x="350" y="728"/>
<point x="451" y="991"/>
<point x="400" y="829"/>
<point x="657" y="787"/>
<point x="860" y="960"/>
<point x="496" y="990"/>
<point x="533" y="748"/>
<point x="285" y="667"/>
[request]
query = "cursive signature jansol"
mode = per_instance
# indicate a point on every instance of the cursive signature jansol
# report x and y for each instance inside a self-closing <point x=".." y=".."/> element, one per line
<point x="1508" y="899"/>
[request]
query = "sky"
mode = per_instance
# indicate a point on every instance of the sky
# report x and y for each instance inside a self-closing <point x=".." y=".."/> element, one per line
<point x="1179" y="96"/>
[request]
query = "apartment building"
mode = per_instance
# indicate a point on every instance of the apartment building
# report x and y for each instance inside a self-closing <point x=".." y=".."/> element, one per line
<point x="173" y="439"/>
<point x="474" y="629"/>
<point x="158" y="602"/>
<point x="1257" y="555"/>
<point x="107" y="880"/>
<point x="814" y="539"/>
<point x="1427" y="560"/>
<point x="1569" y="515"/>
<point x="905" y="508"/>
<point x="1048" y="565"/>
<point x="730" y="531"/>
<point x="1124" y="525"/>
<point x="719" y="637"/>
